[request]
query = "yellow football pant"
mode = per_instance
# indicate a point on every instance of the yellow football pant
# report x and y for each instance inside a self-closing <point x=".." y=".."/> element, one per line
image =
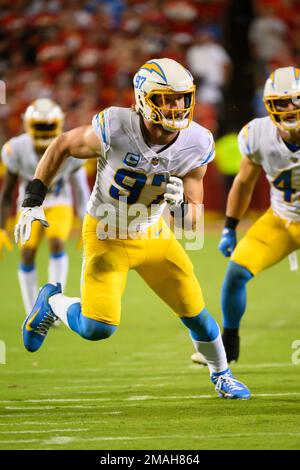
<point x="60" y="220"/>
<point x="267" y="242"/>
<point x="161" y="262"/>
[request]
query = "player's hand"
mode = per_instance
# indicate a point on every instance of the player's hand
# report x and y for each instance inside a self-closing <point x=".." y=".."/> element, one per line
<point x="27" y="216"/>
<point x="174" y="192"/>
<point x="228" y="242"/>
<point x="4" y="241"/>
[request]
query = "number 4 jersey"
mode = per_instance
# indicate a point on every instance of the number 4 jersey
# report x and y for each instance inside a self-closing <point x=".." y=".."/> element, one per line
<point x="261" y="142"/>
<point x="131" y="175"/>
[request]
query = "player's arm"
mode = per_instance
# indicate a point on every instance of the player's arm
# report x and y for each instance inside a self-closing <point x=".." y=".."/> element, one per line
<point x="240" y="194"/>
<point x="184" y="196"/>
<point x="80" y="142"/>
<point x="238" y="202"/>
<point x="8" y="185"/>
<point x="193" y="185"/>
<point x="193" y="194"/>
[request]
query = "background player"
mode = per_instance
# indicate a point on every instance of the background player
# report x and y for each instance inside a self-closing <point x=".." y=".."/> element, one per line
<point x="135" y="149"/>
<point x="43" y="121"/>
<point x="271" y="144"/>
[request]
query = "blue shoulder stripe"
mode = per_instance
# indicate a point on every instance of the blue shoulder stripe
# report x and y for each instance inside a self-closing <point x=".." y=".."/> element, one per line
<point x="210" y="155"/>
<point x="102" y="125"/>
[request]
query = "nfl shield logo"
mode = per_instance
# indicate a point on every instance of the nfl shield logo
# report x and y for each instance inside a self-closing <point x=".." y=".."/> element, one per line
<point x="155" y="161"/>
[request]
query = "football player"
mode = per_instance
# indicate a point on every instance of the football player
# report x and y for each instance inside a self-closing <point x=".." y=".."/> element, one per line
<point x="43" y="121"/>
<point x="136" y="150"/>
<point x="270" y="144"/>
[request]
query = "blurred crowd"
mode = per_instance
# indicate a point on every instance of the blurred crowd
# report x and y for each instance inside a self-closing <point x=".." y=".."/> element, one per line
<point x="274" y="39"/>
<point x="84" y="53"/>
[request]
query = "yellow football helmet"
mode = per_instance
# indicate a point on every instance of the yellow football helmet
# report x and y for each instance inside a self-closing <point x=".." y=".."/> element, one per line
<point x="43" y="121"/>
<point x="164" y="77"/>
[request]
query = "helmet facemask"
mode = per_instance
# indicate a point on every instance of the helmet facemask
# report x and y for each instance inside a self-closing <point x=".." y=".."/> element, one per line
<point x="171" y="119"/>
<point x="286" y="120"/>
<point x="43" y="121"/>
<point x="43" y="132"/>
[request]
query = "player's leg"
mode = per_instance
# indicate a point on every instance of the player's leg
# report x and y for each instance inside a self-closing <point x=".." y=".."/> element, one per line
<point x="60" y="220"/>
<point x="169" y="272"/>
<point x="27" y="273"/>
<point x="266" y="243"/>
<point x="97" y="314"/>
<point x="233" y="301"/>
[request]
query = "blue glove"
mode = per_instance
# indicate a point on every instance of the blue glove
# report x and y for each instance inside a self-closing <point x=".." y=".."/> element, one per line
<point x="228" y="242"/>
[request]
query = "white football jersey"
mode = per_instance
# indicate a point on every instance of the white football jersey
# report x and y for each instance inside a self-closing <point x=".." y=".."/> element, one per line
<point x="261" y="141"/>
<point x="20" y="157"/>
<point x="130" y="174"/>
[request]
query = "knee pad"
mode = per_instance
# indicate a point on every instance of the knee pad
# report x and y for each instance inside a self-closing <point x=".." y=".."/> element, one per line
<point x="87" y="327"/>
<point x="237" y="274"/>
<point x="203" y="326"/>
<point x="95" y="330"/>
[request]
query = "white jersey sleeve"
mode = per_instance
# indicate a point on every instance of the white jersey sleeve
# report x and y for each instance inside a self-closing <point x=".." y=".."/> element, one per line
<point x="10" y="157"/>
<point x="248" y="140"/>
<point x="206" y="145"/>
<point x="194" y="148"/>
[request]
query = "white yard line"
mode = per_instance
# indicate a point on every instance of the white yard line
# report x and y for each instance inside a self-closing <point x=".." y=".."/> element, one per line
<point x="51" y="423"/>
<point x="151" y="368"/>
<point x="66" y="414"/>
<point x="72" y="407"/>
<point x="103" y="389"/>
<point x="118" y="400"/>
<point x="267" y="365"/>
<point x="42" y="431"/>
<point x="61" y="440"/>
<point x="264" y="365"/>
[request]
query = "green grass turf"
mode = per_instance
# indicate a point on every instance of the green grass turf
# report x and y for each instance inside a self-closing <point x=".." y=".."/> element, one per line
<point x="139" y="389"/>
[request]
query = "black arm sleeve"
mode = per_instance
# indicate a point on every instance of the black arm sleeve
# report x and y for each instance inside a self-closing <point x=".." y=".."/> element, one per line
<point x="231" y="222"/>
<point x="35" y="193"/>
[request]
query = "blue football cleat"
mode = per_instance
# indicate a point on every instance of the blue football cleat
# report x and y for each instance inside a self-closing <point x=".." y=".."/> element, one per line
<point x="40" y="319"/>
<point x="229" y="387"/>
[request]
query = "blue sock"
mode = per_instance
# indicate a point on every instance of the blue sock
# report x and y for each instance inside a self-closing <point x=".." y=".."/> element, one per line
<point x="203" y="327"/>
<point x="233" y="294"/>
<point x="58" y="255"/>
<point x="87" y="327"/>
<point x="26" y="268"/>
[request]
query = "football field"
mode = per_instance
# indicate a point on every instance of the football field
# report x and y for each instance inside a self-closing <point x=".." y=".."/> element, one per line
<point x="139" y="389"/>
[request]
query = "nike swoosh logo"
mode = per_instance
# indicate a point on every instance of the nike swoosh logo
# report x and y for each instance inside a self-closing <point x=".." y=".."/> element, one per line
<point x="159" y="232"/>
<point x="28" y="327"/>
